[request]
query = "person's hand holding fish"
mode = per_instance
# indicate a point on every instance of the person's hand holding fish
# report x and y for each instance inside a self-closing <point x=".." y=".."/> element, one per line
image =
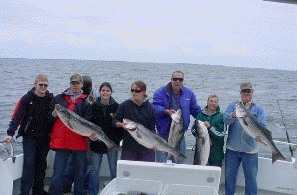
<point x="8" y="139"/>
<point x="169" y="112"/>
<point x="258" y="139"/>
<point x="123" y="125"/>
<point x="54" y="113"/>
<point x="234" y="114"/>
<point x="93" y="137"/>
<point x="207" y="125"/>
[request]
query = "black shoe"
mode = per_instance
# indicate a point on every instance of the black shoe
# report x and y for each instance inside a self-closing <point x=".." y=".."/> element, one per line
<point x="39" y="192"/>
<point x="66" y="190"/>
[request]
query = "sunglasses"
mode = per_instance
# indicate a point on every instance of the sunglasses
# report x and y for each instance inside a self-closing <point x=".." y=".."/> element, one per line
<point x="180" y="79"/>
<point x="135" y="90"/>
<point x="41" y="85"/>
<point x="246" y="91"/>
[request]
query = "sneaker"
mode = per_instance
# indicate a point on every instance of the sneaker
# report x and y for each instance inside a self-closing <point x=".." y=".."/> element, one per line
<point x="66" y="190"/>
<point x="40" y="192"/>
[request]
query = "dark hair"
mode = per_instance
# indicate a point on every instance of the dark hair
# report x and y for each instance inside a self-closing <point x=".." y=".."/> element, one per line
<point x="141" y="85"/>
<point x="105" y="84"/>
<point x="180" y="72"/>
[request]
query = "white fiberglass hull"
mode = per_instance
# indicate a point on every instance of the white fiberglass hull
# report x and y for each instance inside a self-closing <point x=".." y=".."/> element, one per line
<point x="278" y="177"/>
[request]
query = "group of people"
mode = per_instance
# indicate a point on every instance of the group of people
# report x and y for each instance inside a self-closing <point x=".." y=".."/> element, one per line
<point x="37" y="121"/>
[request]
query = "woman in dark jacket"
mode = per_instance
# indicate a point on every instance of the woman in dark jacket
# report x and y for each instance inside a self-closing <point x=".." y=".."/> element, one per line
<point x="103" y="111"/>
<point x="140" y="110"/>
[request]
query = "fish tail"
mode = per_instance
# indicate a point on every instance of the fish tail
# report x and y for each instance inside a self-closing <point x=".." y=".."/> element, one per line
<point x="179" y="156"/>
<point x="277" y="156"/>
<point x="113" y="148"/>
<point x="169" y="157"/>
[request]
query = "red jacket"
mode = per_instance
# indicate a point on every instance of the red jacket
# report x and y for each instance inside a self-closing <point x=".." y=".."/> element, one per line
<point x="62" y="137"/>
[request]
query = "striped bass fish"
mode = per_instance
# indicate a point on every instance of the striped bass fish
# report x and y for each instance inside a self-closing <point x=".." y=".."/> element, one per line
<point x="150" y="140"/>
<point x="254" y="128"/>
<point x="176" y="133"/>
<point x="83" y="127"/>
<point x="202" y="148"/>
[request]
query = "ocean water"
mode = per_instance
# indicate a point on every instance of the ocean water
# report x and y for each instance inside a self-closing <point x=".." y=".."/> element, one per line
<point x="271" y="86"/>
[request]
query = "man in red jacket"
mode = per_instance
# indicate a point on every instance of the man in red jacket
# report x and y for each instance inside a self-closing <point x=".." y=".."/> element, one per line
<point x="65" y="142"/>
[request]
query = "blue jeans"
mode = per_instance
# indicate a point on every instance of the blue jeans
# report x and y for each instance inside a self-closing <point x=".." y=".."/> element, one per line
<point x="69" y="173"/>
<point x="250" y="169"/>
<point x="162" y="156"/>
<point x="94" y="173"/>
<point x="34" y="166"/>
<point x="60" y="164"/>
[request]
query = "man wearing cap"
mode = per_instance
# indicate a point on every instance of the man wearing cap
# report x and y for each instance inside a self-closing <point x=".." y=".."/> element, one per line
<point x="240" y="146"/>
<point x="65" y="142"/>
<point x="92" y="94"/>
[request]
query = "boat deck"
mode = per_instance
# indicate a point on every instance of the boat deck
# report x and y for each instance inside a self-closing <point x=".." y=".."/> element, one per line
<point x="105" y="180"/>
<point x="281" y="175"/>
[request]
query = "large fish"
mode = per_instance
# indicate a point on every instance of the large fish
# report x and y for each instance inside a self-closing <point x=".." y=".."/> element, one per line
<point x="83" y="127"/>
<point x="176" y="132"/>
<point x="150" y="140"/>
<point x="202" y="148"/>
<point x="254" y="128"/>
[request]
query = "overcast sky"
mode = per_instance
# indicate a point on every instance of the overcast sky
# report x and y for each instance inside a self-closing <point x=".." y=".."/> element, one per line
<point x="246" y="33"/>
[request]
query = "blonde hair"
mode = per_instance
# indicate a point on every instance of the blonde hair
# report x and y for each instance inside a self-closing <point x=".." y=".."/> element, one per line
<point x="41" y="77"/>
<point x="212" y="96"/>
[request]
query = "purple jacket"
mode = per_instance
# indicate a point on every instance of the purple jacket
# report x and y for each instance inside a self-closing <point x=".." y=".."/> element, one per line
<point x="161" y="102"/>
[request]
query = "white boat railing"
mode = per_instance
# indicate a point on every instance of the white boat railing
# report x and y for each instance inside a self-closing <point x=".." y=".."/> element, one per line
<point x="285" y="143"/>
<point x="10" y="170"/>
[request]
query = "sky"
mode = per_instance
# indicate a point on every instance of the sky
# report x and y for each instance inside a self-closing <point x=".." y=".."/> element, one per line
<point x="240" y="33"/>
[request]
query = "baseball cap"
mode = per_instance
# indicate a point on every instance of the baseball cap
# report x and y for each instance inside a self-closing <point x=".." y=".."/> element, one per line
<point x="76" y="77"/>
<point x="246" y="85"/>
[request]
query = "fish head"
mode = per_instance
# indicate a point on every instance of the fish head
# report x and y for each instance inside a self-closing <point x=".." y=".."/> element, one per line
<point x="240" y="113"/>
<point x="176" y="117"/>
<point x="62" y="112"/>
<point x="201" y="129"/>
<point x="130" y="125"/>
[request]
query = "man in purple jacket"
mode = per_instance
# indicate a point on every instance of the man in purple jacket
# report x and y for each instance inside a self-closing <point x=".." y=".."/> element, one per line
<point x="169" y="99"/>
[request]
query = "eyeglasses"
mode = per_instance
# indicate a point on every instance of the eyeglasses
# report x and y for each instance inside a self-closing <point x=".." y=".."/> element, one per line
<point x="180" y="79"/>
<point x="135" y="90"/>
<point x="246" y="91"/>
<point x="41" y="85"/>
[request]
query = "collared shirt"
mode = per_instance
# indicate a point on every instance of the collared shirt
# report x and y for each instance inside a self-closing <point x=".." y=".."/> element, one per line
<point x="238" y="140"/>
<point x="175" y="101"/>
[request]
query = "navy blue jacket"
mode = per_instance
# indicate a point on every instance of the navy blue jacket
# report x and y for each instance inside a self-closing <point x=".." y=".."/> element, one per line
<point x="23" y="112"/>
<point x="144" y="114"/>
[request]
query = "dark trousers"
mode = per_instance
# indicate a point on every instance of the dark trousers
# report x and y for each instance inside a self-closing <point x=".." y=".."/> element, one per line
<point x="35" y="153"/>
<point x="61" y="160"/>
<point x="145" y="155"/>
<point x="69" y="173"/>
